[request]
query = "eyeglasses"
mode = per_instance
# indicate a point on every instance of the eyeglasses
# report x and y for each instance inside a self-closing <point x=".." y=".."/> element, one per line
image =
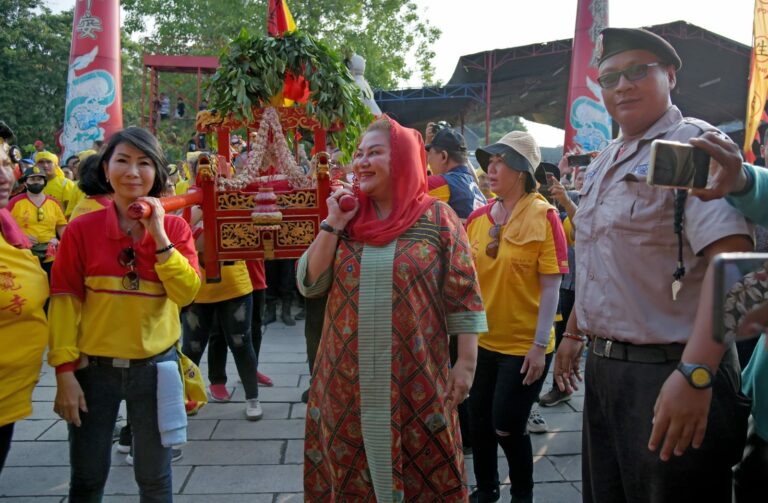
<point x="127" y="259"/>
<point x="492" y="249"/>
<point x="633" y="73"/>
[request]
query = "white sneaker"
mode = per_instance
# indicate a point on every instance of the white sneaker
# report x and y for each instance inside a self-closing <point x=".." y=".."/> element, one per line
<point x="253" y="411"/>
<point x="536" y="423"/>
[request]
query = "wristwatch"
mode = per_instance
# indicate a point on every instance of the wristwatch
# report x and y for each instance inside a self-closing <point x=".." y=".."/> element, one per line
<point x="699" y="376"/>
<point x="325" y="226"/>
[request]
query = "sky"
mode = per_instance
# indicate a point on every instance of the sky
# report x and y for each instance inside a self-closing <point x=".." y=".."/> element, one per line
<point x="470" y="26"/>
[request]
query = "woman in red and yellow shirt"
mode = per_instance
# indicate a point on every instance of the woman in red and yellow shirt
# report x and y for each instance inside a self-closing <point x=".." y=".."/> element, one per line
<point x="520" y="253"/>
<point x="117" y="288"/>
<point x="23" y="326"/>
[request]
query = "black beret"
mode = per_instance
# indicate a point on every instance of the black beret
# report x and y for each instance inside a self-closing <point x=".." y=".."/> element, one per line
<point x="617" y="40"/>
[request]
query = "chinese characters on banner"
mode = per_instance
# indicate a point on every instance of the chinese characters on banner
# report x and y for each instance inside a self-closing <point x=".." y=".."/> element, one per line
<point x="94" y="108"/>
<point x="587" y="123"/>
<point x="758" y="76"/>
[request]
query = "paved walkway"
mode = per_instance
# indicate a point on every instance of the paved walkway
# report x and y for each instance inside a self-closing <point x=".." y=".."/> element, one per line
<point x="229" y="459"/>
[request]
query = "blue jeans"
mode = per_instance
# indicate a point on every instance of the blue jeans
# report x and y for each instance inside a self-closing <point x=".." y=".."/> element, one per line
<point x="233" y="317"/>
<point x="90" y="445"/>
<point x="500" y="402"/>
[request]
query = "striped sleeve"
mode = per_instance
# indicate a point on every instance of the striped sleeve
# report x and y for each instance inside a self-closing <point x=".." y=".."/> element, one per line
<point x="553" y="256"/>
<point x="317" y="289"/>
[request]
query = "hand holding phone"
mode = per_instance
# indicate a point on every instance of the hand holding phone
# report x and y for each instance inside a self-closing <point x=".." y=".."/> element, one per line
<point x="677" y="165"/>
<point x="580" y="160"/>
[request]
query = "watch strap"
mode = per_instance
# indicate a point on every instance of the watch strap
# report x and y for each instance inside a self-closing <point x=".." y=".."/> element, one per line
<point x="325" y="226"/>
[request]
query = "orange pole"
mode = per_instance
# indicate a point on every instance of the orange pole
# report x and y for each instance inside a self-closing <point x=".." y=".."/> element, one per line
<point x="141" y="209"/>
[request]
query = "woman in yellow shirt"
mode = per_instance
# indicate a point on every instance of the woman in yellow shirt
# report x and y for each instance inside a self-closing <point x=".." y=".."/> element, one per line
<point x="520" y="253"/>
<point x="117" y="288"/>
<point x="23" y="327"/>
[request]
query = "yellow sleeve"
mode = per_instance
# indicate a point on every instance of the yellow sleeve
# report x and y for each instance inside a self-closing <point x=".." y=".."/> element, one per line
<point x="76" y="196"/>
<point x="60" y="218"/>
<point x="570" y="235"/>
<point x="179" y="278"/>
<point x="443" y="193"/>
<point x="63" y="320"/>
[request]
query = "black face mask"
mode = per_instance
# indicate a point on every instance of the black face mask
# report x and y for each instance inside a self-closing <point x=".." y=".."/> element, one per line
<point x="35" y="188"/>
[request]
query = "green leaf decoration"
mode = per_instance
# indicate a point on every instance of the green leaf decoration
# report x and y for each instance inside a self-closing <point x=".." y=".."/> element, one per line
<point x="253" y="68"/>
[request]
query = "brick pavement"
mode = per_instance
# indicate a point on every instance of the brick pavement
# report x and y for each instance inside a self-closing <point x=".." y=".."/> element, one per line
<point x="229" y="459"/>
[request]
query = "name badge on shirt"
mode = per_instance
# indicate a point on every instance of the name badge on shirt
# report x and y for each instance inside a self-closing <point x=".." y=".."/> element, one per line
<point x="640" y="170"/>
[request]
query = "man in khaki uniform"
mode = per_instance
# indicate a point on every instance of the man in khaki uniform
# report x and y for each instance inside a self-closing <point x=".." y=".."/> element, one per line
<point x="657" y="380"/>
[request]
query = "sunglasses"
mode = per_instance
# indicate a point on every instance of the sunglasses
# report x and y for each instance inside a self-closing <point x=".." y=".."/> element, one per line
<point x="127" y="259"/>
<point x="492" y="249"/>
<point x="632" y="74"/>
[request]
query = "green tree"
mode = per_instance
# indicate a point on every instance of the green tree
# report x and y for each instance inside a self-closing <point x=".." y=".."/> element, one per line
<point x="34" y="44"/>
<point x="499" y="127"/>
<point x="384" y="32"/>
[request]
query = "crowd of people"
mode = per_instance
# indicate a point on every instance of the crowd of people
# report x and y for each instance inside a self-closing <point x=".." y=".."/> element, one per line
<point x="434" y="308"/>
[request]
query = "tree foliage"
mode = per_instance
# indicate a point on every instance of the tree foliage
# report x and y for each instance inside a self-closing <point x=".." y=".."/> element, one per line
<point x="34" y="44"/>
<point x="385" y="32"/>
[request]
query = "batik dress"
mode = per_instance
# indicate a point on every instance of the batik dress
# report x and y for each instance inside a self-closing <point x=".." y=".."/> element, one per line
<point x="378" y="427"/>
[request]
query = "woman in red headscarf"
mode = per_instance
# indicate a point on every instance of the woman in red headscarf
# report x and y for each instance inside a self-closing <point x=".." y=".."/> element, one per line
<point x="381" y="417"/>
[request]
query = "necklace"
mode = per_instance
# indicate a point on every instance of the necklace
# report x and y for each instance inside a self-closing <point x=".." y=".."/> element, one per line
<point x="500" y="204"/>
<point x="130" y="229"/>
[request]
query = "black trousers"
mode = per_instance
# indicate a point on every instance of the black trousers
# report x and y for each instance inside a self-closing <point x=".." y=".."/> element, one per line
<point x="313" y="327"/>
<point x="217" y="344"/>
<point x="499" y="405"/>
<point x="751" y="475"/>
<point x="617" y="466"/>
<point x="281" y="280"/>
<point x="567" y="300"/>
<point x="6" y="434"/>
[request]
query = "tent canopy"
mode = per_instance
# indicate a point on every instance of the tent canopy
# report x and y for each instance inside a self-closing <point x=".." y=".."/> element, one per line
<point x="532" y="82"/>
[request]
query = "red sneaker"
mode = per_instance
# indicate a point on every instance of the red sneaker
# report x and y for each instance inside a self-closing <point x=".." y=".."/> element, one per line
<point x="264" y="380"/>
<point x="219" y="392"/>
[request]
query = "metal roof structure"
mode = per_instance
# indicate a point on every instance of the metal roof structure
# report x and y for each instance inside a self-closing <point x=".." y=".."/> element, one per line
<point x="532" y="82"/>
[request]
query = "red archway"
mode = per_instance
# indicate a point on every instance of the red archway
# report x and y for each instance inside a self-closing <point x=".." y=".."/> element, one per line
<point x="154" y="64"/>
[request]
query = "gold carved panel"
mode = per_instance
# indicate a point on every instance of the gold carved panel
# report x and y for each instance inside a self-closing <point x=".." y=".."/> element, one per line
<point x="247" y="201"/>
<point x="236" y="201"/>
<point x="240" y="235"/>
<point x="297" y="199"/>
<point x="296" y="233"/>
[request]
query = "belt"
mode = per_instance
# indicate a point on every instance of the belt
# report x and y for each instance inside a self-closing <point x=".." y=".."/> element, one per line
<point x="124" y="363"/>
<point x="647" y="353"/>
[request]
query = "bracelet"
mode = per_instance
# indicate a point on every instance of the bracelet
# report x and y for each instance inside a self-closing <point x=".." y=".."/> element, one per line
<point x="164" y="249"/>
<point x="540" y="344"/>
<point x="67" y="367"/>
<point x="325" y="226"/>
<point x="575" y="337"/>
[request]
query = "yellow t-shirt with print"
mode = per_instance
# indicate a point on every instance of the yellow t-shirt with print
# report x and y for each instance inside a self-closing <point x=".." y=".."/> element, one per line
<point x="510" y="282"/>
<point x="23" y="329"/>
<point x="39" y="223"/>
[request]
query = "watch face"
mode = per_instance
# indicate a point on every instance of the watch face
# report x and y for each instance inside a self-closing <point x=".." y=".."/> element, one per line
<point x="700" y="377"/>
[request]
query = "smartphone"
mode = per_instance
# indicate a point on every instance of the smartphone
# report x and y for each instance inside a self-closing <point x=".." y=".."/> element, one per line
<point x="677" y="165"/>
<point x="740" y="295"/>
<point x="579" y="160"/>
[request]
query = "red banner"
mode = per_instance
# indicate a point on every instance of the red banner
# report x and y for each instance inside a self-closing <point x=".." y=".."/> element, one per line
<point x="587" y="123"/>
<point x="279" y="19"/>
<point x="94" y="106"/>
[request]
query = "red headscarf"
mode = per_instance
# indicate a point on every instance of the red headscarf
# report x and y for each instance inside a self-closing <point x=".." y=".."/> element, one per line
<point x="408" y="174"/>
<point x="11" y="231"/>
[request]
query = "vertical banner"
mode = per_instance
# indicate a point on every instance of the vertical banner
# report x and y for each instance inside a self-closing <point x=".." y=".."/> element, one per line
<point x="758" y="77"/>
<point x="587" y="123"/>
<point x="94" y="106"/>
<point x="279" y="18"/>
